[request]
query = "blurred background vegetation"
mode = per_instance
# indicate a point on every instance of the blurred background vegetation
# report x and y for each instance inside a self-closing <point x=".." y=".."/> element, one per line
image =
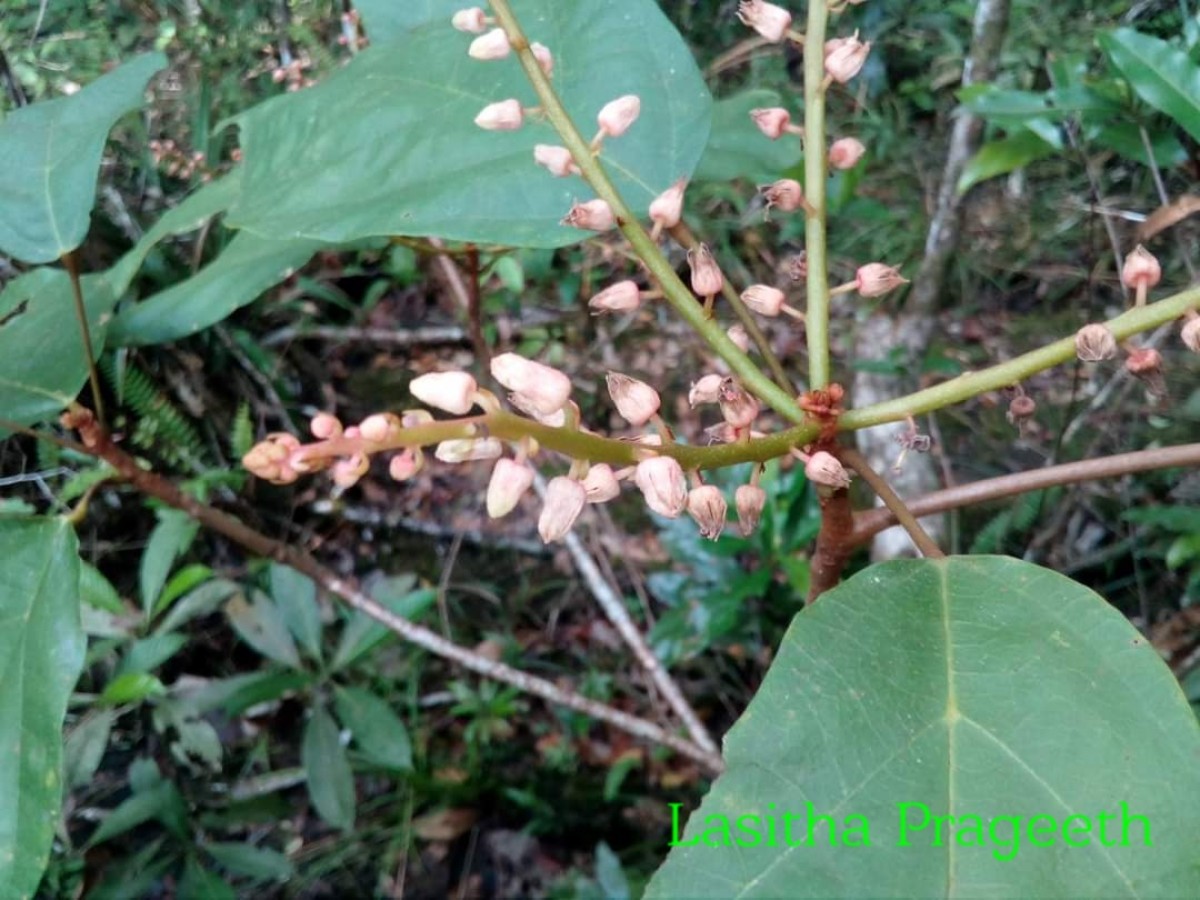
<point x="191" y="720"/>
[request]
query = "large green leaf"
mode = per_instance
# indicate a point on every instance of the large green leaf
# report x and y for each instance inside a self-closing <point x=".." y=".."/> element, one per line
<point x="384" y="20"/>
<point x="984" y="689"/>
<point x="1003" y="156"/>
<point x="378" y="732"/>
<point x="42" y="364"/>
<point x="41" y="654"/>
<point x="330" y="781"/>
<point x="1160" y="73"/>
<point x="388" y="145"/>
<point x="51" y="153"/>
<point x="737" y="149"/>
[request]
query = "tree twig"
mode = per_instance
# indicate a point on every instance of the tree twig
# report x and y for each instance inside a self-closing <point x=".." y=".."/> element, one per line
<point x="928" y="547"/>
<point x="70" y="261"/>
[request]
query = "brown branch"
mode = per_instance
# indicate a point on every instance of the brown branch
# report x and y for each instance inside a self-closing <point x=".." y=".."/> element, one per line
<point x="928" y="547"/>
<point x="70" y="261"/>
<point x="98" y="443"/>
<point x="834" y="544"/>
<point x="870" y="522"/>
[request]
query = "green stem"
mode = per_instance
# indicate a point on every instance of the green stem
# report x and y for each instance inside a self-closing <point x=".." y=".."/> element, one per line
<point x="816" y="320"/>
<point x="675" y="291"/>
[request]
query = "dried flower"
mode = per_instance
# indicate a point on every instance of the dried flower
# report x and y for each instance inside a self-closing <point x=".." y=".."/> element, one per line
<point x="565" y="499"/>
<point x="592" y="215"/>
<point x="738" y="406"/>
<point x="764" y="299"/>
<point x="557" y="159"/>
<point x="707" y="279"/>
<point x="453" y="392"/>
<point x="473" y="20"/>
<point x="749" y="500"/>
<point x="493" y="45"/>
<point x="624" y="296"/>
<point x="1094" y="343"/>
<point x="785" y="194"/>
<point x="1190" y="334"/>
<point x="773" y="121"/>
<point x="1145" y="364"/>
<point x="509" y="482"/>
<point x="545" y="59"/>
<point x="459" y="450"/>
<point x="706" y="390"/>
<point x="769" y="20"/>
<point x="507" y="115"/>
<point x="844" y="153"/>
<point x="540" y="387"/>
<point x="707" y="506"/>
<point x="1021" y="408"/>
<point x="876" y="279"/>
<point x="797" y="266"/>
<point x="825" y="469"/>
<point x="636" y="401"/>
<point x="616" y="116"/>
<point x="662" y="483"/>
<point x="667" y="208"/>
<point x="601" y="483"/>
<point x="844" y="57"/>
<point x="1141" y="269"/>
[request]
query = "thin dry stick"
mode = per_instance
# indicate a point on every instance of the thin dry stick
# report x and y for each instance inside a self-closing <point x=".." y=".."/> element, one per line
<point x="615" y="610"/>
<point x="70" y="261"/>
<point x="870" y="522"/>
<point x="928" y="547"/>
<point x="98" y="443"/>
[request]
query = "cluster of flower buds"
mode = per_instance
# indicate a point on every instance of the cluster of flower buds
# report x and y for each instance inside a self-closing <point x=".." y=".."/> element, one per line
<point x="291" y="70"/>
<point x="352" y="35"/>
<point x="177" y="162"/>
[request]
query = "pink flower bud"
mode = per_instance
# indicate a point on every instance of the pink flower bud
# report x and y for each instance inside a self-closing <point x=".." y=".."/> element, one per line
<point x="707" y="279"/>
<point x="325" y="426"/>
<point x="1141" y="269"/>
<point x="738" y="406"/>
<point x="707" y="506"/>
<point x="510" y="480"/>
<point x="844" y="153"/>
<point x="565" y="499"/>
<point x="601" y="484"/>
<point x="270" y="458"/>
<point x="662" y="483"/>
<point x="876" y="279"/>
<point x="593" y="215"/>
<point x="346" y="472"/>
<point x="1190" y="334"/>
<point x="540" y="387"/>
<point x="380" y="427"/>
<point x="555" y="419"/>
<point x="737" y="334"/>
<point x="706" y="390"/>
<point x="473" y="20"/>
<point x="557" y="159"/>
<point x="825" y="469"/>
<point x="763" y="299"/>
<point x="461" y="450"/>
<point x="1094" y="343"/>
<point x="1020" y="409"/>
<point x="1145" y="364"/>
<point x="773" y="121"/>
<point x="493" y="45"/>
<point x="545" y="59"/>
<point x="769" y="20"/>
<point x="749" y="500"/>
<point x="786" y="194"/>
<point x="617" y="115"/>
<point x="667" y="208"/>
<point x="636" y="401"/>
<point x="624" y="296"/>
<point x="506" y="115"/>
<point x="453" y="392"/>
<point x="846" y="57"/>
<point x="404" y="466"/>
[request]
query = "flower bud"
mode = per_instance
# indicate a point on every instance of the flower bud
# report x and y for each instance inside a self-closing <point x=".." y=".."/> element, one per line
<point x="769" y="20"/>
<point x="616" y="116"/>
<point x="876" y="279"/>
<point x="1141" y="269"/>
<point x="346" y="472"/>
<point x="506" y="115"/>
<point x="846" y="57"/>
<point x="773" y="121"/>
<point x="269" y="459"/>
<point x="707" y="506"/>
<point x="461" y="450"/>
<point x="749" y="500"/>
<point x="825" y="469"/>
<point x="493" y="45"/>
<point x="1190" y="334"/>
<point x="763" y="299"/>
<point x="601" y="483"/>
<point x="472" y="20"/>
<point x="540" y="387"/>
<point x="565" y="499"/>
<point x="404" y="466"/>
<point x="797" y="266"/>
<point x="545" y="59"/>
<point x="844" y="153"/>
<point x="557" y="159"/>
<point x="509" y="481"/>
<point x="738" y="406"/>
<point x="453" y="392"/>
<point x="667" y="208"/>
<point x="1094" y="343"/>
<point x="624" y="296"/>
<point x="707" y="279"/>
<point x="1145" y="364"/>
<point x="662" y="483"/>
<point x="636" y="401"/>
<point x="1021" y="408"/>
<point x="737" y="334"/>
<point x="325" y="426"/>
<point x="592" y="215"/>
<point x="786" y="194"/>
<point x="706" y="390"/>
<point x="380" y="427"/>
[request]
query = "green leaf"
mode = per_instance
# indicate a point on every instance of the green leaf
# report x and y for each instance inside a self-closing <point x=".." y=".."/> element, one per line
<point x="296" y="597"/>
<point x="985" y="689"/>
<point x="160" y="801"/>
<point x="609" y="874"/>
<point x="132" y="687"/>
<point x="1126" y="139"/>
<point x="330" y="782"/>
<point x="51" y="152"/>
<point x="200" y="884"/>
<point x="377" y="731"/>
<point x="737" y="149"/>
<point x="236" y="694"/>
<point x="1003" y="156"/>
<point x="182" y="582"/>
<point x="260" y="624"/>
<point x="246" y="267"/>
<point x="362" y="633"/>
<point x="1160" y="73"/>
<point x="41" y="654"/>
<point x="42" y="363"/>
<point x="202" y="601"/>
<point x="384" y="20"/>
<point x="258" y="863"/>
<point x="171" y="537"/>
<point x="97" y="591"/>
<point x="363" y="158"/>
<point x="85" y="745"/>
<point x="147" y="654"/>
